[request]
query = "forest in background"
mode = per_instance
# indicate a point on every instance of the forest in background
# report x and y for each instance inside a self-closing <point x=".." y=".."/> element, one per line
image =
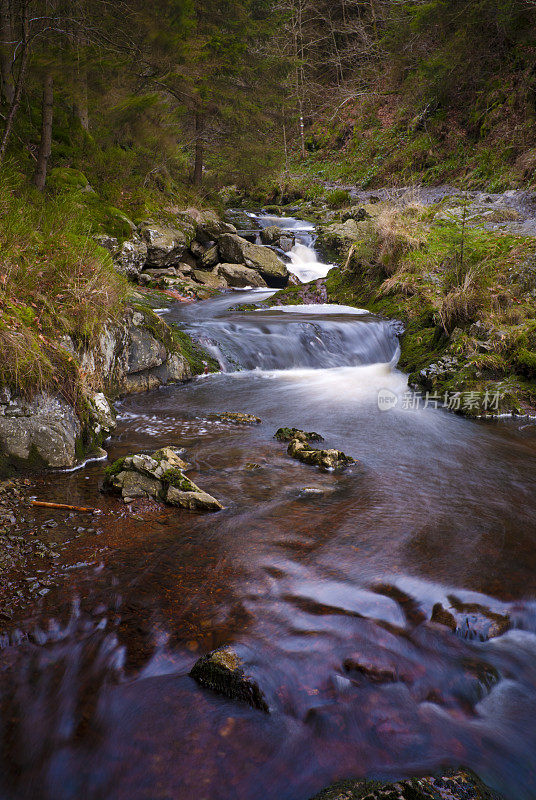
<point x="147" y="99"/>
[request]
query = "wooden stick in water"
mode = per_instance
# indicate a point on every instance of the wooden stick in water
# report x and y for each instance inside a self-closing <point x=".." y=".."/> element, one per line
<point x="42" y="504"/>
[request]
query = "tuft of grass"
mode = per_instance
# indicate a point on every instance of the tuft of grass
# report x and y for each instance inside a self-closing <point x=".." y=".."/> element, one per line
<point x="338" y="198"/>
<point x="55" y="282"/>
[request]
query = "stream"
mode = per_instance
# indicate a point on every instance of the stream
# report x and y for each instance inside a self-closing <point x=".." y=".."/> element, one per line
<point x="306" y="572"/>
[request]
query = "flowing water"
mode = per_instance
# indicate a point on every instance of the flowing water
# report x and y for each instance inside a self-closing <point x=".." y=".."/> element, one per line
<point x="309" y="575"/>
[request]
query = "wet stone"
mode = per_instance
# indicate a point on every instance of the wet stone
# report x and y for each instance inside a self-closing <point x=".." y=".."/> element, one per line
<point x="460" y="785"/>
<point x="288" y="434"/>
<point x="160" y="477"/>
<point x="471" y="621"/>
<point x="236" y="418"/>
<point x="222" y="671"/>
<point x="324" y="459"/>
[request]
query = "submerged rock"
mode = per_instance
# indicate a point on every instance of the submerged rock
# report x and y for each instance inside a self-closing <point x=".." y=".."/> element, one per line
<point x="471" y="620"/>
<point x="325" y="459"/>
<point x="236" y="418"/>
<point x="159" y="476"/>
<point x="460" y="785"/>
<point x="222" y="672"/>
<point x="287" y="434"/>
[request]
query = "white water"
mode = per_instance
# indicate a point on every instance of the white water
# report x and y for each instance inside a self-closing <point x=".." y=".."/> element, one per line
<point x="304" y="263"/>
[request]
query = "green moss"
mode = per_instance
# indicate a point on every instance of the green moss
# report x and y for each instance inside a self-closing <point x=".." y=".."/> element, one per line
<point x="338" y="198"/>
<point x="195" y="355"/>
<point x="67" y="179"/>
<point x="114" y="469"/>
<point x="174" y="477"/>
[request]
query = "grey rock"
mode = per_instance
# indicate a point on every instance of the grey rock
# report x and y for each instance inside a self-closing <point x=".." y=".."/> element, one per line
<point x="236" y="250"/>
<point x="209" y="226"/>
<point x="271" y="235"/>
<point x="210" y="257"/>
<point x="211" y="279"/>
<point x="103" y="414"/>
<point x="339" y="236"/>
<point x="160" y="476"/>
<point x="44" y="434"/>
<point x="286" y="243"/>
<point x="130" y="259"/>
<point x="145" y="351"/>
<point x="196" y="500"/>
<point x="239" y="276"/>
<point x="166" y="246"/>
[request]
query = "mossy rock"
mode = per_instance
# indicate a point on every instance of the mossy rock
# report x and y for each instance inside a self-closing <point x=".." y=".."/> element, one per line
<point x="222" y="672"/>
<point x="461" y="784"/>
<point x="67" y="179"/>
<point x="236" y="418"/>
<point x="287" y="434"/>
<point x="175" y="477"/>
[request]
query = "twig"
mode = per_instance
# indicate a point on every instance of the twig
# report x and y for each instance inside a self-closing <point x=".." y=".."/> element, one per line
<point x="42" y="504"/>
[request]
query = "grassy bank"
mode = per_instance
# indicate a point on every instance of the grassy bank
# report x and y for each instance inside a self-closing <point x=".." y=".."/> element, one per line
<point x="59" y="288"/>
<point x="55" y="282"/>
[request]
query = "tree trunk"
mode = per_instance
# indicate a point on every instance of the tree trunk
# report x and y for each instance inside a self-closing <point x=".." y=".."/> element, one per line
<point x="20" y="80"/>
<point x="6" y="50"/>
<point x="302" y="130"/>
<point x="199" y="149"/>
<point x="80" y="105"/>
<point x="45" y="145"/>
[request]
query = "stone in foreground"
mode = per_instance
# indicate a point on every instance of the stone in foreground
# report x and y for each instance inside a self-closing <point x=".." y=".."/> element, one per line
<point x="159" y="476"/>
<point x="460" y="785"/>
<point x="222" y="672"/>
<point x="288" y="434"/>
<point x="300" y="449"/>
<point x="325" y="459"/>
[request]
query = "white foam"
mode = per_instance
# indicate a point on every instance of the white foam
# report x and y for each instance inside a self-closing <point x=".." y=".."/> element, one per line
<point x="318" y="308"/>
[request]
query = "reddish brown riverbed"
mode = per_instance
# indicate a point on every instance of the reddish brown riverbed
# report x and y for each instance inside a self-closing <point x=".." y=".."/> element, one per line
<point x="97" y="702"/>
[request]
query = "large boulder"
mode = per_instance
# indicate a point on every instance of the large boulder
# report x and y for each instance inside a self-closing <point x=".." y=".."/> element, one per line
<point x="145" y="351"/>
<point x="210" y="278"/>
<point x="222" y="671"/>
<point x="271" y="235"/>
<point x="167" y="246"/>
<point x="208" y="226"/>
<point x="236" y="250"/>
<point x="459" y="785"/>
<point x="238" y="276"/>
<point x="210" y="257"/>
<point x="46" y="432"/>
<point x="339" y="236"/>
<point x="128" y="258"/>
<point x="159" y="476"/>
